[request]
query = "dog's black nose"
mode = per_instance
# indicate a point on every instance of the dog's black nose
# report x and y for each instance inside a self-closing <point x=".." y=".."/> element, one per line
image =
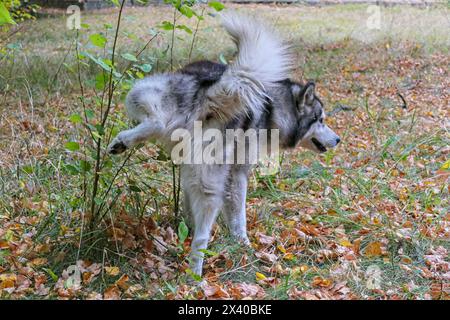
<point x="338" y="140"/>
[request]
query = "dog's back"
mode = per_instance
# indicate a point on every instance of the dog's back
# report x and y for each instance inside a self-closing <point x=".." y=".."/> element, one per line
<point x="205" y="72"/>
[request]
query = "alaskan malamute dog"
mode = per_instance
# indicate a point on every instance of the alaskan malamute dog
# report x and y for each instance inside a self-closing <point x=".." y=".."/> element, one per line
<point x="253" y="92"/>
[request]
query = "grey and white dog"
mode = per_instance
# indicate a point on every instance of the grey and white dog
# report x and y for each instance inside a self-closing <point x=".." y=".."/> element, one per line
<point x="253" y="92"/>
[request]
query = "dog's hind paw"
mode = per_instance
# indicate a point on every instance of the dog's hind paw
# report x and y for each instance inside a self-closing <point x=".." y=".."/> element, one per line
<point x="117" y="147"/>
<point x="242" y="239"/>
<point x="196" y="283"/>
<point x="245" y="242"/>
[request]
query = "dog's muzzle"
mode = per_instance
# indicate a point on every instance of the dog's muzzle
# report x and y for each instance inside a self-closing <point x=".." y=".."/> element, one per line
<point x="325" y="139"/>
<point x="318" y="145"/>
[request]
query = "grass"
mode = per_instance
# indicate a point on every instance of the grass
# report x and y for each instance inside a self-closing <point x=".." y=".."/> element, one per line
<point x="380" y="200"/>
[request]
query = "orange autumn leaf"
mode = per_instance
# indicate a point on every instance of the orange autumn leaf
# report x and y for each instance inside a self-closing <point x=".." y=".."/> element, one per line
<point x="39" y="262"/>
<point x="7" y="281"/>
<point x="122" y="282"/>
<point x="4" y="244"/>
<point x="112" y="293"/>
<point x="373" y="249"/>
<point x="214" y="291"/>
<point x="321" y="282"/>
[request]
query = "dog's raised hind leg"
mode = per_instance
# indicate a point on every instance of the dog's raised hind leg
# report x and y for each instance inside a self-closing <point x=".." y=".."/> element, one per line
<point x="130" y="138"/>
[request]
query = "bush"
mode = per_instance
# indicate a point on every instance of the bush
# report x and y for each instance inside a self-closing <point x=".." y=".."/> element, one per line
<point x="13" y="11"/>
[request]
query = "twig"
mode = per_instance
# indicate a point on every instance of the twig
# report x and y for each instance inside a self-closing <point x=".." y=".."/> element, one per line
<point x="173" y="37"/>
<point x="175" y="193"/>
<point x="339" y="107"/>
<point x="234" y="270"/>
<point x="137" y="56"/>
<point x="6" y="38"/>
<point x="113" y="179"/>
<point x="105" y="117"/>
<point x="195" y="34"/>
<point x="80" y="82"/>
<point x="54" y="78"/>
<point x="111" y="87"/>
<point x="405" y="105"/>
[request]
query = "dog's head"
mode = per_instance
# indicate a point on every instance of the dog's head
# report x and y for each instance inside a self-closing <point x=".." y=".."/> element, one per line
<point x="315" y="134"/>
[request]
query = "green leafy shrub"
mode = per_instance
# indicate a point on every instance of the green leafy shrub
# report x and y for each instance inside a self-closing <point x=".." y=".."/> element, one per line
<point x="13" y="11"/>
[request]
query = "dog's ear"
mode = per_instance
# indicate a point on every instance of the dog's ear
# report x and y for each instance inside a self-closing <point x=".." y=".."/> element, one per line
<point x="306" y="95"/>
<point x="303" y="95"/>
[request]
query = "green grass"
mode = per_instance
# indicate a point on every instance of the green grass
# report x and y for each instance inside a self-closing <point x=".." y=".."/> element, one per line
<point x="384" y="183"/>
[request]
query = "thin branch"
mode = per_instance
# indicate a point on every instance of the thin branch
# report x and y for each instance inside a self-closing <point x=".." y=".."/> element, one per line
<point x="6" y="38"/>
<point x="111" y="87"/>
<point x="174" y="190"/>
<point x="173" y="37"/>
<point x="105" y="116"/>
<point x="404" y="105"/>
<point x="113" y="179"/>
<point x="137" y="56"/>
<point x="195" y="34"/>
<point x="55" y="77"/>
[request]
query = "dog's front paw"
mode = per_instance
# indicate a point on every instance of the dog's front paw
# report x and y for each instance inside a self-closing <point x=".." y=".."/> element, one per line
<point x="117" y="147"/>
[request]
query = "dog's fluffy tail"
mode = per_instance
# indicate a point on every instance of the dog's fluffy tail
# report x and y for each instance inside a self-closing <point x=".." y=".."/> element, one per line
<point x="262" y="60"/>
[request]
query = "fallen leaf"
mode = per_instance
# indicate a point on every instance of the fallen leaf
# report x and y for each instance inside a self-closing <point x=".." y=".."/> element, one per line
<point x="112" y="293"/>
<point x="266" y="257"/>
<point x="112" y="271"/>
<point x="247" y="290"/>
<point x="265" y="239"/>
<point x="260" y="276"/>
<point x="321" y="282"/>
<point x="39" y="262"/>
<point x="373" y="249"/>
<point x="214" y="291"/>
<point x="122" y="282"/>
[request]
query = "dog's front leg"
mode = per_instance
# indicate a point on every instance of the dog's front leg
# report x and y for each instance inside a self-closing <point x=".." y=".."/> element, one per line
<point x="129" y="138"/>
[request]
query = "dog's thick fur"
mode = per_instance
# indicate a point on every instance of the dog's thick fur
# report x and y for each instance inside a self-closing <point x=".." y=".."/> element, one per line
<point x="254" y="92"/>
